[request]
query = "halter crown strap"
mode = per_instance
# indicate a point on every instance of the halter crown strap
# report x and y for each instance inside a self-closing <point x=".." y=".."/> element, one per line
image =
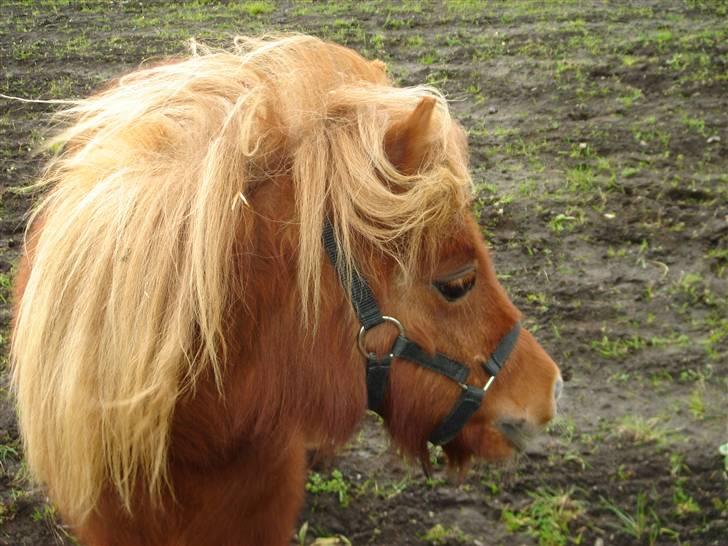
<point x="362" y="297"/>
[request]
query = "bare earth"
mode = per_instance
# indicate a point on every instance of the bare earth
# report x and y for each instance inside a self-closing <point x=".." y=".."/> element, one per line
<point x="600" y="152"/>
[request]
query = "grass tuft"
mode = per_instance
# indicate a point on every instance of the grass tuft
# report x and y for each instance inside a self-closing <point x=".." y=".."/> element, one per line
<point x="548" y="517"/>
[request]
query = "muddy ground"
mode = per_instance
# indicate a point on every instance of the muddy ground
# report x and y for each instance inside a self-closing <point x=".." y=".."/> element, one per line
<point x="599" y="144"/>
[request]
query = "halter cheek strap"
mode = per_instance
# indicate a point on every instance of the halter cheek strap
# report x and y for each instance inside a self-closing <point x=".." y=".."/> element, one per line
<point x="377" y="369"/>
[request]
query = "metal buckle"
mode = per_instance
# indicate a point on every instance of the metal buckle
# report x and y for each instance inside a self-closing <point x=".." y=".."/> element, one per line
<point x="464" y="386"/>
<point x="363" y="334"/>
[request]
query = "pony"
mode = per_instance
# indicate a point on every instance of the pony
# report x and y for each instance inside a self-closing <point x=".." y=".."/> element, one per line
<point x="180" y="338"/>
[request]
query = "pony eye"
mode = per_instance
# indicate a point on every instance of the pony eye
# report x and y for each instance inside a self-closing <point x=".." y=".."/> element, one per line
<point x="457" y="288"/>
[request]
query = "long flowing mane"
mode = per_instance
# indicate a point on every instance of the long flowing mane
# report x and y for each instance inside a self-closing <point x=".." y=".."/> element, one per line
<point x="133" y="270"/>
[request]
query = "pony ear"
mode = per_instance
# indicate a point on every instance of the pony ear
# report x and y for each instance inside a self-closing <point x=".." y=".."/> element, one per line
<point x="408" y="140"/>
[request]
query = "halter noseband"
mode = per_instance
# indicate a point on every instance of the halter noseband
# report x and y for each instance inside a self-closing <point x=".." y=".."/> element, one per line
<point x="377" y="369"/>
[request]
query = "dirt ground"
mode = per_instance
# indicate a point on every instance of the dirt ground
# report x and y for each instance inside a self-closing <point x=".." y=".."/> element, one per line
<point x="599" y="142"/>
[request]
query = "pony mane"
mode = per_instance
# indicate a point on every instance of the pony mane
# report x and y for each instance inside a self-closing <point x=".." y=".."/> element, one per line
<point x="133" y="262"/>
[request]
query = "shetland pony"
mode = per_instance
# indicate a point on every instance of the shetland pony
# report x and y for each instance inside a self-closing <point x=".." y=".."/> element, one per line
<point x="180" y="338"/>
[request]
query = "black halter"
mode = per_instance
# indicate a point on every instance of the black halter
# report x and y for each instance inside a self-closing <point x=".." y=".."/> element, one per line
<point x="377" y="369"/>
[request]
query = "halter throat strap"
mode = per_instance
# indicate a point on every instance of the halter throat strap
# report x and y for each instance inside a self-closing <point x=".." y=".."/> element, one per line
<point x="377" y="369"/>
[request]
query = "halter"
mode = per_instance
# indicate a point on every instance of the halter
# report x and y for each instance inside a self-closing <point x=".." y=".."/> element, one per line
<point x="377" y="369"/>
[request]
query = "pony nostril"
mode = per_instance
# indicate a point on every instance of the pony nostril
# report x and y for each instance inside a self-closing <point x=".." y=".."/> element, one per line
<point x="558" y="388"/>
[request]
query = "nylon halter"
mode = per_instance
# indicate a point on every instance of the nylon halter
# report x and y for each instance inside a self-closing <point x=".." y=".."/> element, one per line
<point x="377" y="369"/>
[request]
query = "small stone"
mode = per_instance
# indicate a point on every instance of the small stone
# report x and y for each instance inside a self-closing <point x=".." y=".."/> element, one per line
<point x="599" y="542"/>
<point x="713" y="139"/>
<point x="610" y="215"/>
<point x="643" y="143"/>
<point x="492" y="110"/>
<point x="582" y="145"/>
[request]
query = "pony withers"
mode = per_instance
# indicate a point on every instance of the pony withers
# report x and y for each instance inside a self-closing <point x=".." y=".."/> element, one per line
<point x="236" y="254"/>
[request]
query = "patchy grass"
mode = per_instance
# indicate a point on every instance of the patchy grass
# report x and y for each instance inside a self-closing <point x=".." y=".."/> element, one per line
<point x="254" y="9"/>
<point x="601" y="187"/>
<point x="439" y="535"/>
<point x="642" y="430"/>
<point x="318" y="484"/>
<point x="5" y="287"/>
<point x="549" y="517"/>
<point x="641" y="522"/>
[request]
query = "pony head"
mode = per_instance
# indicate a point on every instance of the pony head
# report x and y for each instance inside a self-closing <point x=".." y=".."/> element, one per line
<point x="176" y="308"/>
<point x="446" y="296"/>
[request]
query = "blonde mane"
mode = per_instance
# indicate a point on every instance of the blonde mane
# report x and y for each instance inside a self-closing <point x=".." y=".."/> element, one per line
<point x="133" y="262"/>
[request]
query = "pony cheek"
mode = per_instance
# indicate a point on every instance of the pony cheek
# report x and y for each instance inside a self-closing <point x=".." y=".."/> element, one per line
<point x="410" y="419"/>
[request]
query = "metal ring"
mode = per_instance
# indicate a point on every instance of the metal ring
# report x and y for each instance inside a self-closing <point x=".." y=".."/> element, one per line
<point x="363" y="331"/>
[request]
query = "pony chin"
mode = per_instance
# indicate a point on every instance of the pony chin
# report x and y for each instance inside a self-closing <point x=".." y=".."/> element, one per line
<point x="478" y="440"/>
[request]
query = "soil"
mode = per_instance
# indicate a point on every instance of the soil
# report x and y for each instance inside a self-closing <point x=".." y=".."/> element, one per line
<point x="599" y="149"/>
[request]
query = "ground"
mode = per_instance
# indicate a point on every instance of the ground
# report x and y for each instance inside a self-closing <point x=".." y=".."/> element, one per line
<point x="599" y="153"/>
